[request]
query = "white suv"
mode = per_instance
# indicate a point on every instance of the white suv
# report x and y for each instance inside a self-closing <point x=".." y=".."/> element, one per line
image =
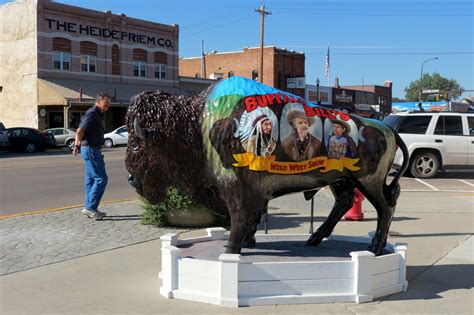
<point x="435" y="140"/>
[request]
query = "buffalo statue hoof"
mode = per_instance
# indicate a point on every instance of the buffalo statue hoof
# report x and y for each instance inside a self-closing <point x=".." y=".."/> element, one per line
<point x="313" y="240"/>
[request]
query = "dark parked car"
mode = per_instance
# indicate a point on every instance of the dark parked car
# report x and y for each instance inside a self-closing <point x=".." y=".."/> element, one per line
<point x="4" y="143"/>
<point x="29" y="140"/>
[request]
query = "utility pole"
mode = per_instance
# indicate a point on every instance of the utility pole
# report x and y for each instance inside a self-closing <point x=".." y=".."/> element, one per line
<point x="262" y="13"/>
<point x="203" y="61"/>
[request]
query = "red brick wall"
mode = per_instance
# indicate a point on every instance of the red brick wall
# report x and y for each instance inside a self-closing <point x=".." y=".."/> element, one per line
<point x="115" y="60"/>
<point x="61" y="44"/>
<point x="290" y="64"/>
<point x="139" y="54"/>
<point x="88" y="48"/>
<point x="161" y="57"/>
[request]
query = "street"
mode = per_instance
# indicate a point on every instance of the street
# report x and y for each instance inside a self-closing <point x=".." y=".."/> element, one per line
<point x="54" y="179"/>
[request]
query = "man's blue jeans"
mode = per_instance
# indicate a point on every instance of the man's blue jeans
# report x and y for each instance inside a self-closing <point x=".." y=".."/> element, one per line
<point x="95" y="176"/>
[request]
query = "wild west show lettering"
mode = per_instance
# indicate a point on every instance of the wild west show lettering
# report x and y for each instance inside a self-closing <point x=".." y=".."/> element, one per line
<point x="255" y="101"/>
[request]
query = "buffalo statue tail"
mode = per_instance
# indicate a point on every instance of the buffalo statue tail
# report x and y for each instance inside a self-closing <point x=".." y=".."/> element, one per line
<point x="392" y="190"/>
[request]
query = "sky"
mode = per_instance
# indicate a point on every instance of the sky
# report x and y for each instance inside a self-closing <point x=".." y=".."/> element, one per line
<point x="370" y="41"/>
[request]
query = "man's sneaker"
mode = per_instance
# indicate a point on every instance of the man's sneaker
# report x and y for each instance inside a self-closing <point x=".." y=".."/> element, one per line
<point x="97" y="215"/>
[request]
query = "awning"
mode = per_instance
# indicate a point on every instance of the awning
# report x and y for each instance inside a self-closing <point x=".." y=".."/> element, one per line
<point x="53" y="92"/>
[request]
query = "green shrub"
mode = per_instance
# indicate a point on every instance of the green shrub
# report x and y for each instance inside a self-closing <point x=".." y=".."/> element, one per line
<point x="155" y="214"/>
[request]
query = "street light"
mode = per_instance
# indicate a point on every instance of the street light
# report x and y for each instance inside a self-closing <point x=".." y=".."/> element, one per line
<point x="421" y="78"/>
<point x="317" y="92"/>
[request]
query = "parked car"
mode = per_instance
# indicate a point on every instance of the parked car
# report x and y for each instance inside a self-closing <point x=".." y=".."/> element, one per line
<point x="116" y="137"/>
<point x="63" y="136"/>
<point x="435" y="140"/>
<point x="29" y="140"/>
<point x="4" y="142"/>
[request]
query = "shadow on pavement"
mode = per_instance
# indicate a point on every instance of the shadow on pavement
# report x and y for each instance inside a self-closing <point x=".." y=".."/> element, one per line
<point x="436" y="234"/>
<point x="292" y="220"/>
<point x="428" y="282"/>
<point x="54" y="152"/>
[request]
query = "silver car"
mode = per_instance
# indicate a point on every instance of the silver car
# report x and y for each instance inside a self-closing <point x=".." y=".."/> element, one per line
<point x="117" y="137"/>
<point x="63" y="136"/>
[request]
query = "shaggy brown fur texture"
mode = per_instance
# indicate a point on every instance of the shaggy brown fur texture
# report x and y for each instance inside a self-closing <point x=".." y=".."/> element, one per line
<point x="173" y="153"/>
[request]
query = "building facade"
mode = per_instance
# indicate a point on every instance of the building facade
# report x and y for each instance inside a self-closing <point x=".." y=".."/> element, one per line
<point x="377" y="96"/>
<point x="56" y="58"/>
<point x="283" y="69"/>
<point x="365" y="100"/>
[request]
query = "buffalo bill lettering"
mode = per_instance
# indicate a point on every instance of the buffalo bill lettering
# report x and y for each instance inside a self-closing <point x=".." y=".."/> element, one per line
<point x="255" y="101"/>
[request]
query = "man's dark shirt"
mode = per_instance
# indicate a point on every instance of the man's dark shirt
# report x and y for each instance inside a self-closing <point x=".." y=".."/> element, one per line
<point x="91" y="123"/>
<point x="301" y="146"/>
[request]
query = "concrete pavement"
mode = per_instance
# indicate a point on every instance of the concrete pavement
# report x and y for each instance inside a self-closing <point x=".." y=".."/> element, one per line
<point x="64" y="263"/>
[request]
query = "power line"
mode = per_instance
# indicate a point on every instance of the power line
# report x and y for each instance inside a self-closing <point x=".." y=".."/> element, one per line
<point x="214" y="19"/>
<point x="385" y="3"/>
<point x="343" y="13"/>
<point x="405" y="53"/>
<point x="220" y="26"/>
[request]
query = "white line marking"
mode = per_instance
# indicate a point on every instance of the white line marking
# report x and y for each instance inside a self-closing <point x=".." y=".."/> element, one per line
<point x="441" y="191"/>
<point x="424" y="183"/>
<point x="466" y="182"/>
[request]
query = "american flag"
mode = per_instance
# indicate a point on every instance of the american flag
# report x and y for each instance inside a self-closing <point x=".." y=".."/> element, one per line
<point x="326" y="70"/>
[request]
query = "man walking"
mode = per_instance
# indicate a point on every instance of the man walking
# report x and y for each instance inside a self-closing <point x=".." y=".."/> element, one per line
<point x="89" y="140"/>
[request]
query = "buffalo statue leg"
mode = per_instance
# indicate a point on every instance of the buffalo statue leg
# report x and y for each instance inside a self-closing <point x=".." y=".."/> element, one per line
<point x="385" y="214"/>
<point x="343" y="191"/>
<point x="245" y="214"/>
<point x="249" y="240"/>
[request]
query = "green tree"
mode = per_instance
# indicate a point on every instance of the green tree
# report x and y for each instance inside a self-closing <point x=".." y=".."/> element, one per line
<point x="396" y="99"/>
<point x="432" y="82"/>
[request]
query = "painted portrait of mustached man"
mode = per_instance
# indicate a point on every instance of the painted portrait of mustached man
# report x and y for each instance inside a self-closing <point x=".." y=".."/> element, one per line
<point x="301" y="136"/>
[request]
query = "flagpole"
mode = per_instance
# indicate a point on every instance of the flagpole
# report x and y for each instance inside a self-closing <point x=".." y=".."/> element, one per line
<point x="329" y="67"/>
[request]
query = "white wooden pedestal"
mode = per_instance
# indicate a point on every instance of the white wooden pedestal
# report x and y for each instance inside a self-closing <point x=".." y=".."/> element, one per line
<point x="229" y="281"/>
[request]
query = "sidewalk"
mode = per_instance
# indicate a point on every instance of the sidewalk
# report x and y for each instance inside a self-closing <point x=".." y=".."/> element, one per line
<point x="64" y="263"/>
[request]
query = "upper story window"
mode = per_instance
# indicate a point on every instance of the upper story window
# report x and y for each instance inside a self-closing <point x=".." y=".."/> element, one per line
<point x="61" y="54"/>
<point x="61" y="60"/>
<point x="139" y="62"/>
<point x="88" y="57"/>
<point x="139" y="68"/>
<point x="160" y="71"/>
<point x="161" y="60"/>
<point x="254" y="75"/>
<point x="88" y="63"/>
<point x="230" y="74"/>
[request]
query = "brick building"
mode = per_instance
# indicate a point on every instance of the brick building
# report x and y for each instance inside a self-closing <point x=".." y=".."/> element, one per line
<point x="279" y="65"/>
<point x="365" y="100"/>
<point x="55" y="58"/>
<point x="374" y="95"/>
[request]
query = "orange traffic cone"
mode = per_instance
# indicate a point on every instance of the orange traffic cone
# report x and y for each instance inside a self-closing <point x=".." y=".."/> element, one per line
<point x="355" y="213"/>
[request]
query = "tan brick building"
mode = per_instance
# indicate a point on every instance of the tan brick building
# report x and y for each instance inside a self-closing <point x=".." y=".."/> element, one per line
<point x="54" y="59"/>
<point x="279" y="65"/>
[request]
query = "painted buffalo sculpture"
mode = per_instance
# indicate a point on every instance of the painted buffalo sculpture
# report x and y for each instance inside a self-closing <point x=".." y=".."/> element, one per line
<point x="240" y="143"/>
